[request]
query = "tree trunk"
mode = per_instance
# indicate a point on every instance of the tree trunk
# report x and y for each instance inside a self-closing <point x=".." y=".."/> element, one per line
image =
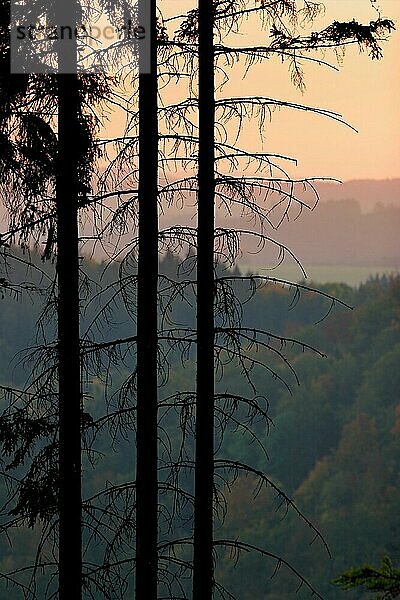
<point x="68" y="347"/>
<point x="147" y="393"/>
<point x="203" y="522"/>
<point x="67" y="189"/>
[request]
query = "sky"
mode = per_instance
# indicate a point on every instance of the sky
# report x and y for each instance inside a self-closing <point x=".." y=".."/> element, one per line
<point x="365" y="92"/>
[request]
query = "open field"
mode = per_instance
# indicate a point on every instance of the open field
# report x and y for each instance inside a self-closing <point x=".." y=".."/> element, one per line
<point x="352" y="275"/>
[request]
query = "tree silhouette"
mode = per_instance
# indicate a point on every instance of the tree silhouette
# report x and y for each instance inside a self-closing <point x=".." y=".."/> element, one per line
<point x="147" y="342"/>
<point x="204" y="481"/>
<point x="71" y="159"/>
<point x="231" y="341"/>
<point x="40" y="160"/>
<point x="223" y="18"/>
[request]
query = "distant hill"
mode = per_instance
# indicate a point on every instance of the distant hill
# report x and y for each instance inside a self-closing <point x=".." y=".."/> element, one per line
<point x="355" y="223"/>
<point x="337" y="232"/>
<point x="367" y="192"/>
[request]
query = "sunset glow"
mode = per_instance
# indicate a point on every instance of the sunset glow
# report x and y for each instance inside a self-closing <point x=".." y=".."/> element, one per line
<point x="366" y="92"/>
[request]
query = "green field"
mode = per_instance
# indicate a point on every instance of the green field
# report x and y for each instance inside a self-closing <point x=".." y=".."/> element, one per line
<point x="352" y="275"/>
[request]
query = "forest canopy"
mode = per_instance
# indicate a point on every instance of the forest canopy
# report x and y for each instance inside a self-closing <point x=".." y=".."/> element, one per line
<point x="332" y="443"/>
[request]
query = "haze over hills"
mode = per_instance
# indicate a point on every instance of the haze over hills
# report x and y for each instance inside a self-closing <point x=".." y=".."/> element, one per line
<point x="354" y="223"/>
<point x="337" y="232"/>
<point x="367" y="192"/>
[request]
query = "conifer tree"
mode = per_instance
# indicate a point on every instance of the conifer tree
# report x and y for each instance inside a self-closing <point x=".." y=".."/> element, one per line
<point x="204" y="461"/>
<point x="71" y="157"/>
<point x="147" y="321"/>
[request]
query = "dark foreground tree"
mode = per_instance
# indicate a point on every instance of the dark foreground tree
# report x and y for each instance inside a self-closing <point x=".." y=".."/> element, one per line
<point x="216" y="296"/>
<point x="40" y="159"/>
<point x="71" y="159"/>
<point x="147" y="326"/>
<point x="218" y="292"/>
<point x="204" y="436"/>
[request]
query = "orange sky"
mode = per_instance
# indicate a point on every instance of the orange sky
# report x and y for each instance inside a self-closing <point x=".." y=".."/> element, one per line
<point x="366" y="92"/>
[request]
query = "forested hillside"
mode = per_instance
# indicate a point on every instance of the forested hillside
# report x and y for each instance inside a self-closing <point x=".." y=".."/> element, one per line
<point x="332" y="444"/>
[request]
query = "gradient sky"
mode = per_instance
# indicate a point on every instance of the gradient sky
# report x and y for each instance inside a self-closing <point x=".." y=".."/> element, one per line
<point x="365" y="92"/>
